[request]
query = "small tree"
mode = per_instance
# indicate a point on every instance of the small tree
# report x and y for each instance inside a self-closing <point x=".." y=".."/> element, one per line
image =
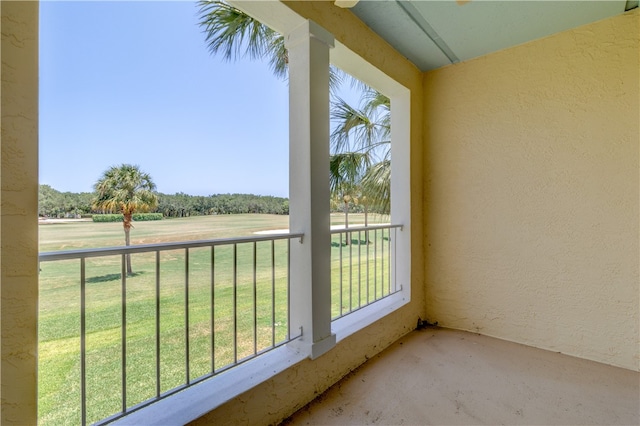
<point x="125" y="189"/>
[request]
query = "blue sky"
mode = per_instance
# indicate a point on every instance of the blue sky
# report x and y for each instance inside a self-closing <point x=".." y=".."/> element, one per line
<point x="133" y="82"/>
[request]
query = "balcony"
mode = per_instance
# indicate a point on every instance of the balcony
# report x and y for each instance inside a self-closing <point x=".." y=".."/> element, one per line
<point x="521" y="168"/>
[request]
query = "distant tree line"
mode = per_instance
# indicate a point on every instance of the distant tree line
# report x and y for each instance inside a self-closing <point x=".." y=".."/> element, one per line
<point x="183" y="205"/>
<point x="53" y="203"/>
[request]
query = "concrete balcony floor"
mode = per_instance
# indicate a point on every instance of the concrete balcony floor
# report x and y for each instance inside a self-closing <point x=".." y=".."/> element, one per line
<point x="440" y="376"/>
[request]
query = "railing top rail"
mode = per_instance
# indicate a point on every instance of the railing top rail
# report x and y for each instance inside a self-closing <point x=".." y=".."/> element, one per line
<point x="364" y="228"/>
<point x="145" y="248"/>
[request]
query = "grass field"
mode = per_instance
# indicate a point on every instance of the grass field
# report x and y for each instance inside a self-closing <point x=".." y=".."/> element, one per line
<point x="261" y="309"/>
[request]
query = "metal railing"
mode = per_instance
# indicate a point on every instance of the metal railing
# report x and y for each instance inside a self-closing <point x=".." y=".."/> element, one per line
<point x="189" y="311"/>
<point x="363" y="267"/>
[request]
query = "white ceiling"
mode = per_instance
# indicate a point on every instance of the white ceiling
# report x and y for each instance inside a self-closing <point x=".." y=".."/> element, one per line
<point x="434" y="33"/>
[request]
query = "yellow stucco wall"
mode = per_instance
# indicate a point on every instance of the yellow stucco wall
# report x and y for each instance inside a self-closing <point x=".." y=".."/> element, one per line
<point x="279" y="397"/>
<point x="19" y="212"/>
<point x="531" y="193"/>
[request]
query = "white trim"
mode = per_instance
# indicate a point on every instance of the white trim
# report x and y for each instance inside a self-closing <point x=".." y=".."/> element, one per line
<point x="196" y="401"/>
<point x="351" y="323"/>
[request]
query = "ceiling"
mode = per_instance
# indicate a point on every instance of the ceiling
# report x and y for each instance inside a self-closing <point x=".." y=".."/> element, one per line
<point x="434" y="33"/>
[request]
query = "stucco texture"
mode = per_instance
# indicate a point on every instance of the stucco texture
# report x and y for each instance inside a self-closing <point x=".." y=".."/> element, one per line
<point x="18" y="212"/>
<point x="531" y="193"/>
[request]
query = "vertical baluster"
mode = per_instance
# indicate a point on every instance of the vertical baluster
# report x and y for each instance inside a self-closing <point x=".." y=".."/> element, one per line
<point x="273" y="292"/>
<point x="83" y="343"/>
<point x="289" y="290"/>
<point x="235" y="307"/>
<point x="390" y="247"/>
<point x="395" y="259"/>
<point x="351" y="271"/>
<point x="375" y="265"/>
<point x="123" y="263"/>
<point x="255" y="298"/>
<point x="186" y="315"/>
<point x="157" y="323"/>
<point x="382" y="263"/>
<point x="213" y="309"/>
<point x="367" y="261"/>
<point x="360" y="268"/>
<point x="340" y="253"/>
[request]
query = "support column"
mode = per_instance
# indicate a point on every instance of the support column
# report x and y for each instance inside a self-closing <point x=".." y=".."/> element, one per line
<point x="308" y="47"/>
<point x="19" y="212"/>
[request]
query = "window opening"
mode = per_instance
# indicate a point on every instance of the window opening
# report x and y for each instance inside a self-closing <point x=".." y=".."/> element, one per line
<point x="134" y="83"/>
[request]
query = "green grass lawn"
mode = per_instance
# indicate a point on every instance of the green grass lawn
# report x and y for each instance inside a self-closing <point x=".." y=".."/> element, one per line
<point x="260" y="310"/>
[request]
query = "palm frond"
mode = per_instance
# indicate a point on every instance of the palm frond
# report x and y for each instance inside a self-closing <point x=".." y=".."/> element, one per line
<point x="376" y="186"/>
<point x="357" y="84"/>
<point x="278" y="56"/>
<point x="352" y="124"/>
<point x="336" y="77"/>
<point x="377" y="105"/>
<point x="356" y="129"/>
<point x="235" y="34"/>
<point x="346" y="170"/>
<point x="374" y="100"/>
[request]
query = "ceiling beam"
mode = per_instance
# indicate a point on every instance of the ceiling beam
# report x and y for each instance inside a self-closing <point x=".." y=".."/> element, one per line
<point x="415" y="15"/>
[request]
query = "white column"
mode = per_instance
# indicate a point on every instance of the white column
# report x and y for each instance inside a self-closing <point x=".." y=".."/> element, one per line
<point x="308" y="46"/>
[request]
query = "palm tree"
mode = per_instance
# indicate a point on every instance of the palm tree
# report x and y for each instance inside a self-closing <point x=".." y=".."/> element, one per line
<point x="345" y="176"/>
<point x="358" y="131"/>
<point x="125" y="189"/>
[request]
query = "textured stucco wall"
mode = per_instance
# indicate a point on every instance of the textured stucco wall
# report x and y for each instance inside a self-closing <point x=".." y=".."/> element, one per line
<point x="279" y="397"/>
<point x="531" y="193"/>
<point x="18" y="212"/>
